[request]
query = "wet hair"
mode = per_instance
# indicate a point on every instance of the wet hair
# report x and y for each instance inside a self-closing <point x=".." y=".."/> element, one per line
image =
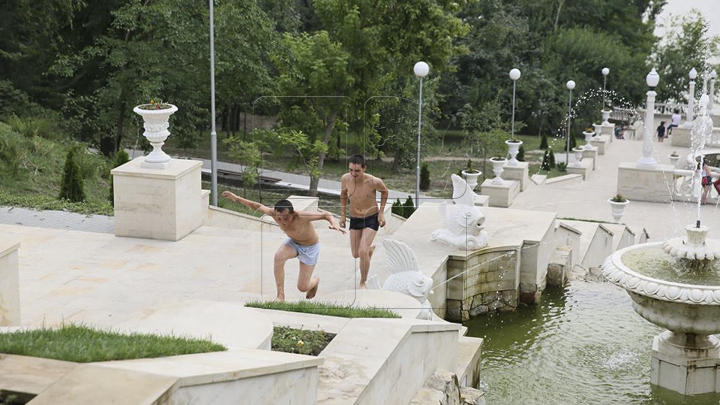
<point x="284" y="205"/>
<point x="357" y="159"/>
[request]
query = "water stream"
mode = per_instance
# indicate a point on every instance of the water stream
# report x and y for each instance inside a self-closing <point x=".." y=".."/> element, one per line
<point x="583" y="344"/>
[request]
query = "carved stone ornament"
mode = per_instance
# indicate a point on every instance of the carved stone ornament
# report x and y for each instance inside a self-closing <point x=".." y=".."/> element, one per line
<point x="462" y="222"/>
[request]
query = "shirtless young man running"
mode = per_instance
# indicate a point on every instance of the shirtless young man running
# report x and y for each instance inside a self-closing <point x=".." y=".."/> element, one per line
<point x="365" y="217"/>
<point x="302" y="242"/>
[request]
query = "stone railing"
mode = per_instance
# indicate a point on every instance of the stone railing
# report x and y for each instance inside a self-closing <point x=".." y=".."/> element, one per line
<point x="669" y="108"/>
<point x="683" y="187"/>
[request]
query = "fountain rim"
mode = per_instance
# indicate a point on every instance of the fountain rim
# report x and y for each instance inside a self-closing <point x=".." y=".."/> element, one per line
<point x="619" y="274"/>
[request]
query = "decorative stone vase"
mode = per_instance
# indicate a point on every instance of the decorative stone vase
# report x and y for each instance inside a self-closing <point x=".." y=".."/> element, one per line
<point x="498" y="164"/>
<point x="471" y="178"/>
<point x="605" y="116"/>
<point x="674" y="159"/>
<point x="588" y="136"/>
<point x="156" y="131"/>
<point x="618" y="208"/>
<point x="598" y="129"/>
<point x="578" y="156"/>
<point x="513" y="148"/>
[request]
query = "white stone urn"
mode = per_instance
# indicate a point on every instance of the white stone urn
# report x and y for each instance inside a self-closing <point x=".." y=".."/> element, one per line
<point x="578" y="156"/>
<point x="471" y="178"/>
<point x="513" y="148"/>
<point x="674" y="159"/>
<point x="498" y="164"/>
<point x="156" y="118"/>
<point x="588" y="137"/>
<point x="618" y="208"/>
<point x="605" y="116"/>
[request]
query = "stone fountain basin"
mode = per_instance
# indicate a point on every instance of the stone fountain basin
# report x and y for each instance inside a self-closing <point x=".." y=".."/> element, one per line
<point x="686" y="308"/>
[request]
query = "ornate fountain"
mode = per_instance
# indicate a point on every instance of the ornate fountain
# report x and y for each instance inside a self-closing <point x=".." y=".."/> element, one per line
<point x="676" y="284"/>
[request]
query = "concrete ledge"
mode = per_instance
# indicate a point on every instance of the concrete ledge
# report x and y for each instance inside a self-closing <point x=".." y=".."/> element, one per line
<point x="30" y="375"/>
<point x="501" y="195"/>
<point x="607" y="129"/>
<point x="481" y="200"/>
<point x="9" y="283"/>
<point x="601" y="142"/>
<point x="518" y="172"/>
<point x="591" y="154"/>
<point x="538" y="179"/>
<point x="566" y="179"/>
<point x="469" y="354"/>
<point x="641" y="184"/>
<point x="680" y="137"/>
<point x="584" y="169"/>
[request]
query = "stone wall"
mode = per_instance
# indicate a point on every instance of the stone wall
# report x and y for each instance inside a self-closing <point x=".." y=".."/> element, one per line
<point x="483" y="281"/>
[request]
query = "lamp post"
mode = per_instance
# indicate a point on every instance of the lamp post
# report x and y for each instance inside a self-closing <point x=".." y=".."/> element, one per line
<point x="647" y="161"/>
<point x="605" y="72"/>
<point x="213" y="132"/>
<point x="570" y="85"/>
<point x="421" y="70"/>
<point x="713" y="76"/>
<point x="514" y="75"/>
<point x="691" y="99"/>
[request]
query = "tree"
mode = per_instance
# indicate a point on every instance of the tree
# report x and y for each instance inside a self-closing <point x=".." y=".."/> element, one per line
<point x="686" y="46"/>
<point x="409" y="207"/>
<point x="424" y="177"/>
<point x="544" y="142"/>
<point x="71" y="186"/>
<point x="250" y="155"/>
<point x="398" y="208"/>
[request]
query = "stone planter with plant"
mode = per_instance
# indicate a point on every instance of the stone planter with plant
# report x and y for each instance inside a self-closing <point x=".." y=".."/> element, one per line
<point x="471" y="175"/>
<point x="498" y="163"/>
<point x="513" y="148"/>
<point x="617" y="204"/>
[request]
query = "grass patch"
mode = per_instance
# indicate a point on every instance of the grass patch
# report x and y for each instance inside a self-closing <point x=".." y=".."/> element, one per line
<point x="83" y="344"/>
<point x="300" y="341"/>
<point x="324" y="308"/>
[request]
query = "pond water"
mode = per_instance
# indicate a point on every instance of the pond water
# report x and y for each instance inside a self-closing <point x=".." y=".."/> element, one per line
<point x="655" y="263"/>
<point x="583" y="345"/>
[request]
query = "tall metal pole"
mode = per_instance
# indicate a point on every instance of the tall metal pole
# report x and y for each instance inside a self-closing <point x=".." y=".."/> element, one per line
<point x="512" y="126"/>
<point x="570" y="86"/>
<point x="417" y="180"/>
<point x="213" y="133"/>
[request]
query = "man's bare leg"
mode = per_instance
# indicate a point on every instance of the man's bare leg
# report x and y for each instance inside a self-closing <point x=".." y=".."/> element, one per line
<point x="283" y="254"/>
<point x="307" y="283"/>
<point x="365" y="252"/>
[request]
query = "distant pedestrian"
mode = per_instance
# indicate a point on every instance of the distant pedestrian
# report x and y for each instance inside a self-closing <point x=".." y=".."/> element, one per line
<point x="674" y="121"/>
<point x="660" y="131"/>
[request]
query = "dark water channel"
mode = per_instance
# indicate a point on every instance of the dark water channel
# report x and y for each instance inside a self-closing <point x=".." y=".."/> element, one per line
<point x="583" y="345"/>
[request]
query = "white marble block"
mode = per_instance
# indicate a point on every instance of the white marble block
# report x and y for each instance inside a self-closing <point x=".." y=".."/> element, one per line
<point x="591" y="154"/>
<point x="159" y="204"/>
<point x="519" y="173"/>
<point x="9" y="284"/>
<point x="501" y="195"/>
<point x="680" y="137"/>
<point x="601" y="143"/>
<point x="639" y="184"/>
<point x="585" y="168"/>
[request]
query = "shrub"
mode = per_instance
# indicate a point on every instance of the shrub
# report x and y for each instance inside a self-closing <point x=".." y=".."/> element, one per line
<point x="544" y="142"/>
<point x="521" y="154"/>
<point x="618" y="198"/>
<point x="121" y="157"/>
<point x="424" y="177"/>
<point x="552" y="158"/>
<point x="572" y="140"/>
<point x="398" y="208"/>
<point x="409" y="207"/>
<point x="562" y="167"/>
<point x="71" y="186"/>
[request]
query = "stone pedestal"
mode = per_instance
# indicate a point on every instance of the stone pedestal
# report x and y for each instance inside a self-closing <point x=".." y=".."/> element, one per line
<point x="586" y="166"/>
<point x="9" y="283"/>
<point x="607" y="129"/>
<point x="501" y="195"/>
<point x="680" y="137"/>
<point x="590" y="155"/>
<point x="519" y="173"/>
<point x="687" y="364"/>
<point x="159" y="204"/>
<point x="601" y="143"/>
<point x="639" y="184"/>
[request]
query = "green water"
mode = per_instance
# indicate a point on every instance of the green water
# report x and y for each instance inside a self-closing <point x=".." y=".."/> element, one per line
<point x="655" y="263"/>
<point x="583" y="345"/>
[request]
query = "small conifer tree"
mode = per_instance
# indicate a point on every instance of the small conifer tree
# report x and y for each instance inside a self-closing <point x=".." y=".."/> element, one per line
<point x="398" y="208"/>
<point x="545" y="165"/>
<point x="71" y="187"/>
<point x="409" y="207"/>
<point x="121" y="157"/>
<point x="424" y="177"/>
<point x="544" y="142"/>
<point x="551" y="158"/>
<point x="521" y="154"/>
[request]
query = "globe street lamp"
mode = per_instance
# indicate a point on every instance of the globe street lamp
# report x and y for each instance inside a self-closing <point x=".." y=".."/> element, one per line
<point x="691" y="99"/>
<point x="647" y="161"/>
<point x="421" y="70"/>
<point x="570" y="85"/>
<point x="605" y="71"/>
<point x="514" y="75"/>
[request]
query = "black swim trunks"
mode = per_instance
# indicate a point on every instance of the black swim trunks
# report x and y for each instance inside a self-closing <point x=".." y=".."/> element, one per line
<point x="367" y="222"/>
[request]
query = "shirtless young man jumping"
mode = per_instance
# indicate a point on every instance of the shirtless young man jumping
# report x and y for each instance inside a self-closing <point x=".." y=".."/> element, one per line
<point x="302" y="242"/>
<point x="365" y="217"/>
